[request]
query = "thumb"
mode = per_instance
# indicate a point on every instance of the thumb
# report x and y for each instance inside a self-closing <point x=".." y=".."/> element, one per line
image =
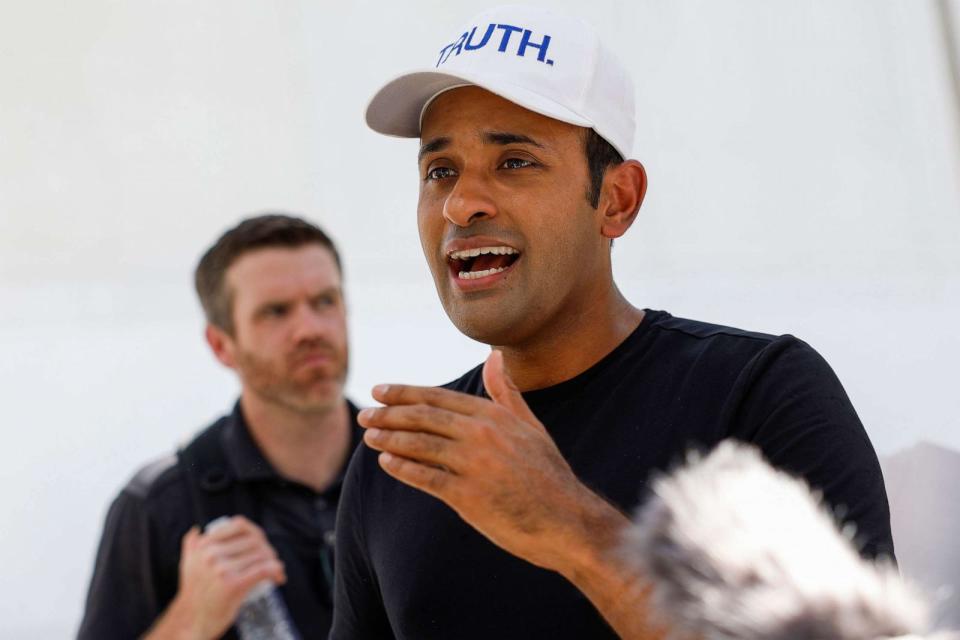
<point x="503" y="391"/>
<point x="190" y="540"/>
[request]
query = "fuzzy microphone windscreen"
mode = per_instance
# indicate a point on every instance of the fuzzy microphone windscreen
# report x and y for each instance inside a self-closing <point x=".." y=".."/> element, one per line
<point x="735" y="550"/>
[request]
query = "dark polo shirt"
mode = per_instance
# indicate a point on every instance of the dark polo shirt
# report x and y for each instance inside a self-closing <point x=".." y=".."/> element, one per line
<point x="136" y="572"/>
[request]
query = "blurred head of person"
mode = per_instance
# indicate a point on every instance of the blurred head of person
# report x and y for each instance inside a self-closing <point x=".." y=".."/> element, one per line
<point x="271" y="291"/>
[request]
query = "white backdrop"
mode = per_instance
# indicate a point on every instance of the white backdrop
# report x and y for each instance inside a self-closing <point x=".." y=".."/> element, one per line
<point x="803" y="162"/>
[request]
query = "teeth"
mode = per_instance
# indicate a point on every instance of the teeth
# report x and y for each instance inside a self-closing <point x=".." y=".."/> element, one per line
<point x="473" y="275"/>
<point x="479" y="251"/>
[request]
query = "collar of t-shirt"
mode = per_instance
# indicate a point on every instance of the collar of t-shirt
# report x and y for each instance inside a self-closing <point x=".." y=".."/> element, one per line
<point x="248" y="463"/>
<point x="568" y="390"/>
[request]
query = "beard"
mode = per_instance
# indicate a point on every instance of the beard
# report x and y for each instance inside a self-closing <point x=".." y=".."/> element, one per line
<point x="291" y="382"/>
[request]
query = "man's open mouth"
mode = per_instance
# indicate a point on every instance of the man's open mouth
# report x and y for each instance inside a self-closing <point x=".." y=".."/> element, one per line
<point x="470" y="264"/>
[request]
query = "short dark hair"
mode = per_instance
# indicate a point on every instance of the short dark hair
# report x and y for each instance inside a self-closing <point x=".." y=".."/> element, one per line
<point x="600" y="155"/>
<point x="258" y="232"/>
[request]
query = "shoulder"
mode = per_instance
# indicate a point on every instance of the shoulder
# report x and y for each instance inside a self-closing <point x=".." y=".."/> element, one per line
<point x="366" y="482"/>
<point x="148" y="516"/>
<point x="703" y="343"/>
<point x="162" y="480"/>
<point x="695" y="335"/>
<point x="353" y="410"/>
<point x="156" y="494"/>
<point x="362" y="465"/>
<point x="154" y="477"/>
<point x="736" y="363"/>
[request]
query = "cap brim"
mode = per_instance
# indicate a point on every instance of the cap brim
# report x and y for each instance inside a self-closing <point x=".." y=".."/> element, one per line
<point x="395" y="110"/>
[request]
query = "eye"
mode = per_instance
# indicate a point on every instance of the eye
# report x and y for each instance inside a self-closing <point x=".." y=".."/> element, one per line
<point x="324" y="301"/>
<point x="440" y="173"/>
<point x="517" y="163"/>
<point x="275" y="310"/>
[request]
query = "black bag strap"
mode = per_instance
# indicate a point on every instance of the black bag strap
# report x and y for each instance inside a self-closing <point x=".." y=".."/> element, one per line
<point x="214" y="492"/>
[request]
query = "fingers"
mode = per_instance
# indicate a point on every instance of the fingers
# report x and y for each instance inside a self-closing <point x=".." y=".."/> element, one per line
<point x="422" y="447"/>
<point x="263" y="567"/>
<point x="234" y="578"/>
<point x="230" y="565"/>
<point x="401" y="394"/>
<point x="251" y="575"/>
<point x="432" y="480"/>
<point x="234" y="537"/>
<point x="218" y="569"/>
<point x="503" y="391"/>
<point x="242" y="546"/>
<point x="231" y="527"/>
<point x="231" y="547"/>
<point x="190" y="540"/>
<point x="418" y="417"/>
<point x="441" y="411"/>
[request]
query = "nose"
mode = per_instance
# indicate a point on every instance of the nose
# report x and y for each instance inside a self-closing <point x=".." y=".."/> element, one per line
<point x="469" y="201"/>
<point x="311" y="324"/>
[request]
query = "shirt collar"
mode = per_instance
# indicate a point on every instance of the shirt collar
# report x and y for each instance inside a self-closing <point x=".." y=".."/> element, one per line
<point x="246" y="460"/>
<point x="248" y="463"/>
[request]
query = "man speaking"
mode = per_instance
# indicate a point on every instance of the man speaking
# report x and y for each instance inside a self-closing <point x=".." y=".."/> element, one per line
<point x="493" y="507"/>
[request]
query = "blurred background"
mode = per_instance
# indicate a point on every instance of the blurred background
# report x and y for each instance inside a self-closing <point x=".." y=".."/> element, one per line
<point x="804" y="165"/>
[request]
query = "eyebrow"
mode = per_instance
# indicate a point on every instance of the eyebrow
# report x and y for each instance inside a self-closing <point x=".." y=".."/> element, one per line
<point x="437" y="144"/>
<point x="332" y="290"/>
<point x="501" y="138"/>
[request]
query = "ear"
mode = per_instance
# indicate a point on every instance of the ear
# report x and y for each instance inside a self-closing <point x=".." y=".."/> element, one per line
<point x="221" y="344"/>
<point x="624" y="186"/>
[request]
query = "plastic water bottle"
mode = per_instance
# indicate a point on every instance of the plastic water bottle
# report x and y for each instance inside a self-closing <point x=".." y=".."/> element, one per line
<point x="263" y="614"/>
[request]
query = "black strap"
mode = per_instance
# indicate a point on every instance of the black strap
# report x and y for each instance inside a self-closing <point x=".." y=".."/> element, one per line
<point x="214" y="491"/>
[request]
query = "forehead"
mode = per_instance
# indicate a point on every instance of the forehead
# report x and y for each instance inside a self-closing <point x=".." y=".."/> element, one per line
<point x="278" y="272"/>
<point x="472" y="111"/>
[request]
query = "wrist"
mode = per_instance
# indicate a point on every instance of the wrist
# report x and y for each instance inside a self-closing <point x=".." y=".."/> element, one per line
<point x="594" y="552"/>
<point x="178" y="622"/>
<point x="598" y="568"/>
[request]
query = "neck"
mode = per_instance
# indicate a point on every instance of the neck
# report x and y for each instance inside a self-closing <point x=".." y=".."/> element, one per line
<point x="307" y="447"/>
<point x="577" y="341"/>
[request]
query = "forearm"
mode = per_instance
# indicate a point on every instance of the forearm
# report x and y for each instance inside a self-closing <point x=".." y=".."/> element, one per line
<point x="176" y="623"/>
<point x="596" y="566"/>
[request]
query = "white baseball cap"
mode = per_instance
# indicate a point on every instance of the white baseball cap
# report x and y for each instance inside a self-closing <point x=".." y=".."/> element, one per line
<point x="549" y="63"/>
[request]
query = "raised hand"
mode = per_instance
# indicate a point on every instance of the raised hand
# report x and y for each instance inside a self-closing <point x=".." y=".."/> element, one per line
<point x="492" y="462"/>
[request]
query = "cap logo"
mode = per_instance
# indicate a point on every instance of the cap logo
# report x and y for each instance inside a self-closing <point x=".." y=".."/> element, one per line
<point x="468" y="41"/>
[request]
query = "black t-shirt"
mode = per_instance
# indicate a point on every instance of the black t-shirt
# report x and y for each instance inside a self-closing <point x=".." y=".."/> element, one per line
<point x="408" y="567"/>
<point x="137" y="567"/>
